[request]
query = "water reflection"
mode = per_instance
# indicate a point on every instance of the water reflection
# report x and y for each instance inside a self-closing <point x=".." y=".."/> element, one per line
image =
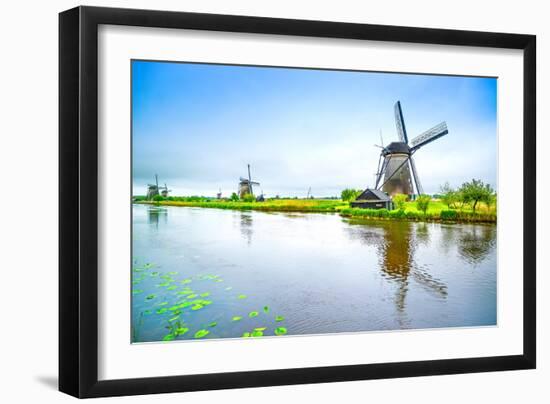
<point x="396" y="243"/>
<point x="246" y="225"/>
<point x="476" y="242"/>
<point x="155" y="215"/>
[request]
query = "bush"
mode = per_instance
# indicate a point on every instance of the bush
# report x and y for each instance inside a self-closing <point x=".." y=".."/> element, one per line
<point x="383" y="213"/>
<point x="248" y="198"/>
<point x="449" y="215"/>
<point x="349" y="194"/>
<point x="422" y="203"/>
<point x="234" y="197"/>
<point x="158" y="198"/>
<point x="400" y="200"/>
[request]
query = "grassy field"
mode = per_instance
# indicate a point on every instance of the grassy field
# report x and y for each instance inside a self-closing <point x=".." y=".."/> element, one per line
<point x="270" y="205"/>
<point x="437" y="211"/>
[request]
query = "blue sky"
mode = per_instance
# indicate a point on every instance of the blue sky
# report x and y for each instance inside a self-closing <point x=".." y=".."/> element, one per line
<point x="198" y="125"/>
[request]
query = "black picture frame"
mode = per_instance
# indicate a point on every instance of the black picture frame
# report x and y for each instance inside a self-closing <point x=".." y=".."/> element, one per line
<point x="78" y="200"/>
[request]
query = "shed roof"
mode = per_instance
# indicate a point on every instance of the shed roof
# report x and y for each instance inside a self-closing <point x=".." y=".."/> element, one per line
<point x="373" y="195"/>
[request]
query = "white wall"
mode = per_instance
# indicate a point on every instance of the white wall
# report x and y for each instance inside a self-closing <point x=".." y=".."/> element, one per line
<point x="28" y="227"/>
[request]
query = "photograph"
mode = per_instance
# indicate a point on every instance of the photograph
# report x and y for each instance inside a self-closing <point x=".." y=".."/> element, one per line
<point x="283" y="201"/>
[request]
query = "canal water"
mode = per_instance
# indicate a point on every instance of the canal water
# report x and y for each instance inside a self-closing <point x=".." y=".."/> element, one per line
<point x="213" y="273"/>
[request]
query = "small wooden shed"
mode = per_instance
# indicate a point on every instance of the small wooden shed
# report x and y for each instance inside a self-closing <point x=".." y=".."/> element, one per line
<point x="372" y="199"/>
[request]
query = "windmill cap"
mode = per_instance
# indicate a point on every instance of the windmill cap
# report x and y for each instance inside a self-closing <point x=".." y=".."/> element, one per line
<point x="397" y="147"/>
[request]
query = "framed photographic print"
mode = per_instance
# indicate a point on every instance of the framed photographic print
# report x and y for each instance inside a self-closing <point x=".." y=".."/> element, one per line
<point x="250" y="201"/>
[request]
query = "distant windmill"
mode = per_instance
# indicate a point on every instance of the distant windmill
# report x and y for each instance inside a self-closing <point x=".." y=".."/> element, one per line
<point x="396" y="162"/>
<point x="245" y="184"/>
<point x="154" y="189"/>
<point x="165" y="191"/>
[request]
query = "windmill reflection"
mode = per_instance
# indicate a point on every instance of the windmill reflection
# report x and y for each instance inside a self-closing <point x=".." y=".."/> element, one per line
<point x="246" y="226"/>
<point x="156" y="214"/>
<point x="396" y="243"/>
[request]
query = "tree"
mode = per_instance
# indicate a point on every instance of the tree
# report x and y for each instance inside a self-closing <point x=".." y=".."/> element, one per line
<point x="449" y="195"/>
<point x="234" y="197"/>
<point x="422" y="202"/>
<point x="400" y="200"/>
<point x="476" y="191"/>
<point x="349" y="194"/>
<point x="248" y="198"/>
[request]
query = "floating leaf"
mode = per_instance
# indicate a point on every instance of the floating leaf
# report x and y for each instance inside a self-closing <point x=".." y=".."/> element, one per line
<point x="162" y="303"/>
<point x="260" y="329"/>
<point x="253" y="314"/>
<point x="206" y="302"/>
<point x="136" y="291"/>
<point x="161" y="285"/>
<point x="154" y="273"/>
<point x="186" y="281"/>
<point x="237" y="318"/>
<point x="257" y="333"/>
<point x="162" y="311"/>
<point x="266" y="309"/>
<point x="185" y="292"/>
<point x="279" y="318"/>
<point x="172" y="287"/>
<point x="201" y="333"/>
<point x="192" y="296"/>
<point x="169" y="337"/>
<point x="212" y="324"/>
<point x="146" y="312"/>
<point x="172" y="273"/>
<point x="151" y="296"/>
<point x="174" y="318"/>
<point x="246" y="335"/>
<point x="241" y="297"/>
<point x="197" y="307"/>
<point x="205" y="294"/>
<point x="280" y="331"/>
<point x="181" y="330"/>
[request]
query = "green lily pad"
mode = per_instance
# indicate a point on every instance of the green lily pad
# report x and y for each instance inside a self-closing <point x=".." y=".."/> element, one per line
<point x="174" y="318"/>
<point x="246" y="335"/>
<point x="205" y="294"/>
<point x="162" y="303"/>
<point x="201" y="333"/>
<point x="162" y="311"/>
<point x="137" y="291"/>
<point x="197" y="307"/>
<point x="192" y="296"/>
<point x="172" y="273"/>
<point x="241" y="297"/>
<point x="266" y="309"/>
<point x="212" y="324"/>
<point x="169" y="337"/>
<point x="279" y="318"/>
<point x="151" y="296"/>
<point x="260" y="329"/>
<point x="253" y="314"/>
<point x="186" y="281"/>
<point x="236" y="318"/>
<point x="147" y="312"/>
<point x="171" y="287"/>
<point x="257" y="333"/>
<point x="280" y="331"/>
<point x="181" y="330"/>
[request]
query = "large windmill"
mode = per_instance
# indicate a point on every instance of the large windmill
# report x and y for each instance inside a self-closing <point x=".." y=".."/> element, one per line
<point x="396" y="159"/>
<point x="245" y="184"/>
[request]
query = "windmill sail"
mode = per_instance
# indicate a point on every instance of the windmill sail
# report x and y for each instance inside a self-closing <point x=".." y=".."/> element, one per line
<point x="400" y="123"/>
<point x="419" y="188"/>
<point x="429" y="136"/>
